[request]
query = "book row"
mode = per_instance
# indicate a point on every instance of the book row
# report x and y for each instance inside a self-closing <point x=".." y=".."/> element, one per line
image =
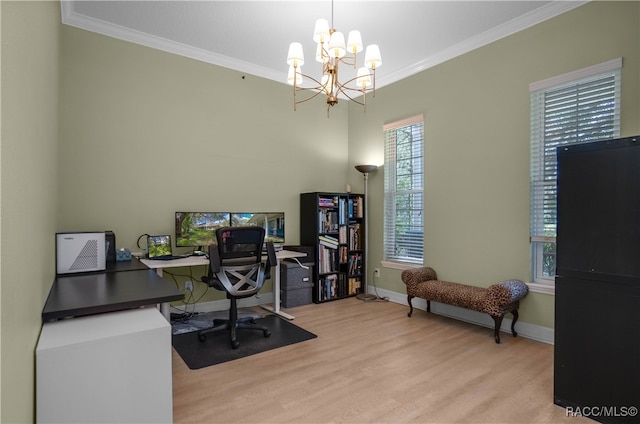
<point x="335" y="286"/>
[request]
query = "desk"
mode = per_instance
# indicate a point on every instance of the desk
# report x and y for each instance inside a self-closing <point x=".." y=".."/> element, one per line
<point x="99" y="292"/>
<point x="202" y="260"/>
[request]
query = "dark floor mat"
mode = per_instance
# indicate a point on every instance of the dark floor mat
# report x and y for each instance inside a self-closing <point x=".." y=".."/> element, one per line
<point x="217" y="347"/>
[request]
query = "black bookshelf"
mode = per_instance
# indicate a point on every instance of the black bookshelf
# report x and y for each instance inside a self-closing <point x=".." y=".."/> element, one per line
<point x="334" y="224"/>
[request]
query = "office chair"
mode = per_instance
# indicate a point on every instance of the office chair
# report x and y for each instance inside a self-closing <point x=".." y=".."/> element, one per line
<point x="237" y="268"/>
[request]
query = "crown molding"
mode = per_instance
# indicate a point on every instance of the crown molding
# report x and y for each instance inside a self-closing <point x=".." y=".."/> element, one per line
<point x="530" y="19"/>
<point x="70" y="17"/>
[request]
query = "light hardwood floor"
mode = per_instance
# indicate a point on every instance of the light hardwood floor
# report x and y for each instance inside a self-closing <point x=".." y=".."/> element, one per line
<point x="372" y="364"/>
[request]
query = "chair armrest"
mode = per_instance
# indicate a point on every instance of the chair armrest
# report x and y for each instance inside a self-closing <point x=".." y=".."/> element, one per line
<point x="272" y="260"/>
<point x="413" y="276"/>
<point x="214" y="267"/>
<point x="507" y="292"/>
<point x="214" y="259"/>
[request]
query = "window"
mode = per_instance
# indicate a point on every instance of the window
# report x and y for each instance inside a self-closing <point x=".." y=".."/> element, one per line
<point x="403" y="191"/>
<point x="578" y="107"/>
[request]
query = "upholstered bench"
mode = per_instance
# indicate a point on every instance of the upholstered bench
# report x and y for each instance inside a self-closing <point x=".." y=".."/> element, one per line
<point x="496" y="300"/>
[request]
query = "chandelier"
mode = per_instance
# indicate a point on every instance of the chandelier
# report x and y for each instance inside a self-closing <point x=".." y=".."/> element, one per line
<point x="332" y="51"/>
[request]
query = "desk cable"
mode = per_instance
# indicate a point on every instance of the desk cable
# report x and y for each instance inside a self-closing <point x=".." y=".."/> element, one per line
<point x="299" y="263"/>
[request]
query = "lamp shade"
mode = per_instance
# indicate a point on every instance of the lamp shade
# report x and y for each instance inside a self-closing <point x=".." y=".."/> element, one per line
<point x="337" y="47"/>
<point x="372" y="57"/>
<point x="295" y="57"/>
<point x="354" y="42"/>
<point x="321" y="31"/>
<point x="363" y="79"/>
<point x="365" y="169"/>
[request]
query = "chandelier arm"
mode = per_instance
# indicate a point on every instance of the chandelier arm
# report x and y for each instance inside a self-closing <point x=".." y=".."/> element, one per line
<point x="319" y="87"/>
<point x="310" y="97"/>
<point x="342" y="87"/>
<point x="352" y="62"/>
<point x="351" y="98"/>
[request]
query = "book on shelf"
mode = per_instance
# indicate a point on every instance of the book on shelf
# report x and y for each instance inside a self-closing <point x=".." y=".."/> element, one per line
<point x="355" y="264"/>
<point x="328" y="239"/>
<point x="355" y="207"/>
<point x="328" y="221"/>
<point x="344" y="253"/>
<point x="327" y="259"/>
<point x="328" y="202"/>
<point x="327" y="244"/>
<point x="342" y="234"/>
<point x="329" y="287"/>
<point x="359" y="207"/>
<point x="354" y="285"/>
<point x="354" y="237"/>
<point x="342" y="211"/>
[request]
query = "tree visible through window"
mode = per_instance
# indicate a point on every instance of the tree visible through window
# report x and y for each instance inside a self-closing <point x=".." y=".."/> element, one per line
<point x="403" y="191"/>
<point x="579" y="107"/>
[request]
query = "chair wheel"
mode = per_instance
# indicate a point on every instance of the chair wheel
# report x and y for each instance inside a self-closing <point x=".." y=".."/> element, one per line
<point x="202" y="337"/>
<point x="266" y="333"/>
<point x="235" y="344"/>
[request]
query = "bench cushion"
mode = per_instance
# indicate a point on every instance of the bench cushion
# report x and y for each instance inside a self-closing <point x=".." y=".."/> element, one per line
<point x="462" y="295"/>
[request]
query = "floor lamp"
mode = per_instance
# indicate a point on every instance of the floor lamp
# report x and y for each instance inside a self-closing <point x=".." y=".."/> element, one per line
<point x="366" y="169"/>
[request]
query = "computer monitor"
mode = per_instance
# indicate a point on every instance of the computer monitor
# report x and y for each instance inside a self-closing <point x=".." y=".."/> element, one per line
<point x="272" y="222"/>
<point x="198" y="229"/>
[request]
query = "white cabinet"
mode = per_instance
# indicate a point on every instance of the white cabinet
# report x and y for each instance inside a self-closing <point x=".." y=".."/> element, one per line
<point x="113" y="367"/>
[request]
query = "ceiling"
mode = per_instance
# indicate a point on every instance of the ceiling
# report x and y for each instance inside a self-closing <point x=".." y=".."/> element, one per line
<point x="253" y="36"/>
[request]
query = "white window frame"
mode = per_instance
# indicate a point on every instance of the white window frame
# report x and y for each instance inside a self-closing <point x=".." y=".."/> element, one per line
<point x="395" y="250"/>
<point x="545" y="138"/>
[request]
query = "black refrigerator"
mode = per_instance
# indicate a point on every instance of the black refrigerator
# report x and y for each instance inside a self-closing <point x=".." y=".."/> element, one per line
<point x="597" y="300"/>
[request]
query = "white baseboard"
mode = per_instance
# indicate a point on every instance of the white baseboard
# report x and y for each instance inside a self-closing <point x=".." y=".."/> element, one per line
<point x="524" y="329"/>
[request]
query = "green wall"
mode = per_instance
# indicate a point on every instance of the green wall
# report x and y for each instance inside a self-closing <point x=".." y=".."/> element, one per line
<point x="476" y="115"/>
<point x="29" y="192"/>
<point x="146" y="133"/>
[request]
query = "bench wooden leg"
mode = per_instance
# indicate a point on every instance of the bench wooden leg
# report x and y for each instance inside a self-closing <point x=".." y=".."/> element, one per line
<point x="428" y="306"/>
<point x="409" y="297"/>
<point x="513" y="323"/>
<point x="496" y="332"/>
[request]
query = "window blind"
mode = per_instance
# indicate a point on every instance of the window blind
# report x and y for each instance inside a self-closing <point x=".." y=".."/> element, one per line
<point x="403" y="190"/>
<point x="571" y="112"/>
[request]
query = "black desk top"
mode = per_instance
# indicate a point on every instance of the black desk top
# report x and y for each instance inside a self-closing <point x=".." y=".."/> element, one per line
<point x="133" y="265"/>
<point x="94" y="293"/>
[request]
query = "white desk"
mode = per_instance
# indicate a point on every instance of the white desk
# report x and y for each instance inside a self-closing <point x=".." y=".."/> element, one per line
<point x="202" y="260"/>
